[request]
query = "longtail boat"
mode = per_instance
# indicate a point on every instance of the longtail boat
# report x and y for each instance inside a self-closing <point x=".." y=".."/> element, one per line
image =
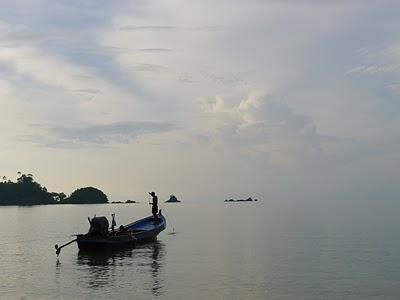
<point x="100" y="237"/>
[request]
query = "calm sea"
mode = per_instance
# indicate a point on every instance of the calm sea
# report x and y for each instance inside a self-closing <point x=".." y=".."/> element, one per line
<point x="210" y="250"/>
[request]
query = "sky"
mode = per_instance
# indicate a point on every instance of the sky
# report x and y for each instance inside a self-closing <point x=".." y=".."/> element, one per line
<point x="203" y="99"/>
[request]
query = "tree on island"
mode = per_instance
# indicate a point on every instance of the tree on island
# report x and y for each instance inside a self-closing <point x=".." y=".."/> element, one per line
<point x="58" y="197"/>
<point x="26" y="191"/>
<point x="86" y="195"/>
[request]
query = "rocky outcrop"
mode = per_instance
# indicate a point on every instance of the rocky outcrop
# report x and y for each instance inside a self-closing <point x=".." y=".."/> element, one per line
<point x="241" y="200"/>
<point x="172" y="199"/>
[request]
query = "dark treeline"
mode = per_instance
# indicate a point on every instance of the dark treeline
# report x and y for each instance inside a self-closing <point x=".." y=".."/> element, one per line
<point x="26" y="191"/>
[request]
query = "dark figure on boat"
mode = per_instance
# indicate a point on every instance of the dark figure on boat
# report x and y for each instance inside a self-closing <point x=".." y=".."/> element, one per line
<point x="122" y="230"/>
<point x="98" y="226"/>
<point x="154" y="208"/>
<point x="113" y="223"/>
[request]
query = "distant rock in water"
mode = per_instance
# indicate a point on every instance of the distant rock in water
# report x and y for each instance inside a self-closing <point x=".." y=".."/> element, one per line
<point x="172" y="199"/>
<point x="121" y="202"/>
<point x="241" y="200"/>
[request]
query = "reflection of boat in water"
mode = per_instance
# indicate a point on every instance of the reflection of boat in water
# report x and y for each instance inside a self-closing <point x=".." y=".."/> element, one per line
<point x="110" y="268"/>
<point x="100" y="238"/>
<point x="103" y="258"/>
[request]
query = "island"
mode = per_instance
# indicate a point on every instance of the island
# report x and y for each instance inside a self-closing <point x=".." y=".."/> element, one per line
<point x="86" y="195"/>
<point x="241" y="200"/>
<point x="26" y="191"/>
<point x="172" y="199"/>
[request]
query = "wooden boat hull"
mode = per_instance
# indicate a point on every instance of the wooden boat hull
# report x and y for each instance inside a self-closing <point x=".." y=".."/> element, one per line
<point x="147" y="229"/>
<point x="87" y="242"/>
<point x="141" y="231"/>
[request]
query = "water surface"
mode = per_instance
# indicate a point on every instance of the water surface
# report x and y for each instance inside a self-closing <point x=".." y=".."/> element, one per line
<point x="261" y="250"/>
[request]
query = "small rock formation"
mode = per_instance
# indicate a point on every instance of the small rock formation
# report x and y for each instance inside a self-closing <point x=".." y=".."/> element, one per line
<point x="172" y="199"/>
<point x="241" y="200"/>
<point x="121" y="202"/>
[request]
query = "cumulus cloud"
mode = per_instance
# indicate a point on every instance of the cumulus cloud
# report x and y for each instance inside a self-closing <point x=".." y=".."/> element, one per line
<point x="262" y="125"/>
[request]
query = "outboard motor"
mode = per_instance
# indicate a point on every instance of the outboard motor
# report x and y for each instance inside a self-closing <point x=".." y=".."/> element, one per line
<point x="98" y="226"/>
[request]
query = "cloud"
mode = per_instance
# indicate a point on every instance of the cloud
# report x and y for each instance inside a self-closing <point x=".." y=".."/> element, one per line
<point x="130" y="60"/>
<point x="155" y="50"/>
<point x="261" y="125"/>
<point x="17" y="35"/>
<point x="395" y="87"/>
<point x="147" y="27"/>
<point x="95" y="135"/>
<point x="88" y="91"/>
<point x="379" y="61"/>
<point x="206" y="28"/>
<point x="167" y="27"/>
<point x="51" y="70"/>
<point x="343" y="150"/>
<point x="145" y="67"/>
<point x="376" y="69"/>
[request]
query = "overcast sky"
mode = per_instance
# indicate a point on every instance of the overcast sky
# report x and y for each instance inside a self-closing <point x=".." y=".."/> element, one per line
<point x="203" y="99"/>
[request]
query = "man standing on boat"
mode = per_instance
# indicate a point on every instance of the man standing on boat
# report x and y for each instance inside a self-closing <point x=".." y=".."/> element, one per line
<point x="154" y="208"/>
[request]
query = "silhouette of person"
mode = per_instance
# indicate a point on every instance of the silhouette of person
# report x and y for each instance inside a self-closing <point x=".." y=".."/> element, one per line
<point x="154" y="208"/>
<point x="122" y="230"/>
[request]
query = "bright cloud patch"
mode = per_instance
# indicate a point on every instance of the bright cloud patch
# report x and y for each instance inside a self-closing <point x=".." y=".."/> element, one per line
<point x="263" y="126"/>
